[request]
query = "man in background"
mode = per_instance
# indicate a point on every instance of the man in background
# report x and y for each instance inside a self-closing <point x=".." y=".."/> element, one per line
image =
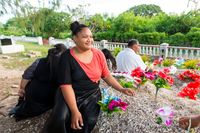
<point x="129" y="59"/>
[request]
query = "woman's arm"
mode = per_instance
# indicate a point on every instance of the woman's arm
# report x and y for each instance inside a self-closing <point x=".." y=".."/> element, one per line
<point x="110" y="80"/>
<point x="23" y="84"/>
<point x="69" y="96"/>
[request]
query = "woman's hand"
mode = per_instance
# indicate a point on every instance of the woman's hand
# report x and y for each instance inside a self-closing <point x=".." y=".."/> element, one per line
<point x="76" y="120"/>
<point x="21" y="92"/>
<point x="128" y="91"/>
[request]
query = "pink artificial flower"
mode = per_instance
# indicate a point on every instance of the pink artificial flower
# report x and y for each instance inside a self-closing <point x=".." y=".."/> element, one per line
<point x="166" y="114"/>
<point x="112" y="104"/>
<point x="168" y="122"/>
<point x="150" y="75"/>
<point x="123" y="105"/>
<point x="117" y="103"/>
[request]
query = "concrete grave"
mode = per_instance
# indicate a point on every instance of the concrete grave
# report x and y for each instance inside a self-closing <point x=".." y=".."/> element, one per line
<point x="7" y="45"/>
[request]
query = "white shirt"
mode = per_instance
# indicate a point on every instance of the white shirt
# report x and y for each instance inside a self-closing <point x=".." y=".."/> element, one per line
<point x="127" y="60"/>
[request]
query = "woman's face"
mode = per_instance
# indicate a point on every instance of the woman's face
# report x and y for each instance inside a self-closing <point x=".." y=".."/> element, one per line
<point x="84" y="39"/>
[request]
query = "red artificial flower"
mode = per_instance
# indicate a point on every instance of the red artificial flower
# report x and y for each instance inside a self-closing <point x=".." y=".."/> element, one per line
<point x="189" y="74"/>
<point x="138" y="72"/>
<point x="162" y="74"/>
<point x="170" y="80"/>
<point x="191" y="90"/>
<point x="166" y="70"/>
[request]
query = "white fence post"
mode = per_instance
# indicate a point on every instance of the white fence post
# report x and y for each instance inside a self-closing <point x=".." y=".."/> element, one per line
<point x="164" y="50"/>
<point x="40" y="42"/>
<point x="104" y="44"/>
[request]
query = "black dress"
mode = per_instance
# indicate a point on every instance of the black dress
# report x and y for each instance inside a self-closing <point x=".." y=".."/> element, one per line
<point x="87" y="95"/>
<point x="39" y="92"/>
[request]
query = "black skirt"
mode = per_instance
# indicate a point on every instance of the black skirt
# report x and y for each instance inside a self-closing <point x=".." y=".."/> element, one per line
<point x="60" y="119"/>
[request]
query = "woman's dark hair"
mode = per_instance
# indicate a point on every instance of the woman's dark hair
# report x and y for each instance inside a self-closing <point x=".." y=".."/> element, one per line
<point x="76" y="27"/>
<point x="53" y="58"/>
<point x="110" y="57"/>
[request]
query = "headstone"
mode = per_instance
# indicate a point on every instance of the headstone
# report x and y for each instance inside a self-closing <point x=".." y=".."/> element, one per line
<point x="7" y="45"/>
<point x="6" y="41"/>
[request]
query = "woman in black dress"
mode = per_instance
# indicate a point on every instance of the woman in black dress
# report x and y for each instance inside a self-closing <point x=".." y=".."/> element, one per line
<point x="81" y="68"/>
<point x="38" y="85"/>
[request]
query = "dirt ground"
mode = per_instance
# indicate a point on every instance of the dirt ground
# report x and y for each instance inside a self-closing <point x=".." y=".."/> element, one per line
<point x="9" y="85"/>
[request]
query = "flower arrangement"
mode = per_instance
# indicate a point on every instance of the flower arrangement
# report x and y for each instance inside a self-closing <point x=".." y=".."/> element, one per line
<point x="170" y="70"/>
<point x="189" y="74"/>
<point x="162" y="80"/>
<point x="111" y="104"/>
<point x="141" y="76"/>
<point x="179" y="62"/>
<point x="165" y="115"/>
<point x="158" y="61"/>
<point x="191" y="90"/>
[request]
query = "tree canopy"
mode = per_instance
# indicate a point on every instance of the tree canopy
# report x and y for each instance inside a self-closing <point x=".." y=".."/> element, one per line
<point x="146" y="10"/>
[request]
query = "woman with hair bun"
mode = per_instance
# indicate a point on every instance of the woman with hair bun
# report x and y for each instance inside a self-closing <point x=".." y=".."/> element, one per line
<point x="81" y="68"/>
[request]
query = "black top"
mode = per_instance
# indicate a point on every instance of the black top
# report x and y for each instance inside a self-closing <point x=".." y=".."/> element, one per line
<point x="41" y="88"/>
<point x="70" y="72"/>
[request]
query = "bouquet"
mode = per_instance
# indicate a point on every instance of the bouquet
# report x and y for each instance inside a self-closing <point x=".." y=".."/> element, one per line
<point x="179" y="62"/>
<point x="141" y="76"/>
<point x="162" y="80"/>
<point x="165" y="115"/>
<point x="191" y="90"/>
<point x="170" y="70"/>
<point x="189" y="74"/>
<point x="111" y="104"/>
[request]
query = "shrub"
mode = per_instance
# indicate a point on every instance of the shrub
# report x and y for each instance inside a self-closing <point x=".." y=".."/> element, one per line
<point x="64" y="35"/>
<point x="168" y="62"/>
<point x="190" y="64"/>
<point x="116" y="51"/>
<point x="193" y="38"/>
<point x="146" y="58"/>
<point x="177" y="39"/>
<point x="151" y="37"/>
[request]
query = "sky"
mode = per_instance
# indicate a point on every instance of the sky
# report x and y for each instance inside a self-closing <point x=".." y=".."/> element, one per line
<point x="115" y="7"/>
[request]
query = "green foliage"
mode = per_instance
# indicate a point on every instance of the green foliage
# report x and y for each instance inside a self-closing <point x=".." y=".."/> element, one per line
<point x="146" y="10"/>
<point x="125" y="84"/>
<point x="98" y="23"/>
<point x="116" y="51"/>
<point x="56" y="23"/>
<point x="151" y="38"/>
<point x="108" y="35"/>
<point x="190" y="64"/>
<point x="168" y="62"/>
<point x="173" y="23"/>
<point x="12" y="31"/>
<point x="146" y="58"/>
<point x="64" y="35"/>
<point x="177" y="39"/>
<point x="195" y="29"/>
<point x="128" y="35"/>
<point x="105" y="108"/>
<point x="193" y="38"/>
<point x="159" y="120"/>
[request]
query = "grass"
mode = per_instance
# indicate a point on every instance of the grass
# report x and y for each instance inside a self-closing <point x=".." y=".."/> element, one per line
<point x="20" y="60"/>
